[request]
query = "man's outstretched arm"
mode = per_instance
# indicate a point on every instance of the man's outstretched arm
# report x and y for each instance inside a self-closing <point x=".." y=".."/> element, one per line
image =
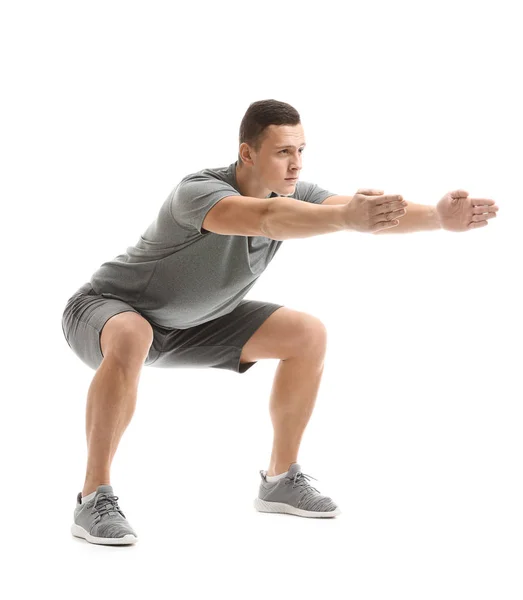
<point x="454" y="212"/>
<point x="419" y="217"/>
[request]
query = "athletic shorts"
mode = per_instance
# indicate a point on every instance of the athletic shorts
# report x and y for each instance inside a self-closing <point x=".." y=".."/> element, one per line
<point x="215" y="344"/>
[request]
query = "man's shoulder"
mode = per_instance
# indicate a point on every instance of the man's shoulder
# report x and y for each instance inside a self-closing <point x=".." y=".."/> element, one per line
<point x="209" y="173"/>
<point x="204" y="184"/>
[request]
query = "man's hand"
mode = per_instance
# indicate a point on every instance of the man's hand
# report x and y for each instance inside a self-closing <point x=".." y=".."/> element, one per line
<point x="370" y="211"/>
<point x="457" y="212"/>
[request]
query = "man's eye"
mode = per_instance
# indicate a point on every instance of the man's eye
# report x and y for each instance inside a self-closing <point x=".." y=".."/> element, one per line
<point x="285" y="150"/>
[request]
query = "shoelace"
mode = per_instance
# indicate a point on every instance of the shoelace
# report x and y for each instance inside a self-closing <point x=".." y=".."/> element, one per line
<point x="300" y="480"/>
<point x="105" y="504"/>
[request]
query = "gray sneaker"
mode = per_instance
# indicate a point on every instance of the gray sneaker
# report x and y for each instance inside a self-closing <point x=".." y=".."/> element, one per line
<point x="294" y="495"/>
<point x="101" y="521"/>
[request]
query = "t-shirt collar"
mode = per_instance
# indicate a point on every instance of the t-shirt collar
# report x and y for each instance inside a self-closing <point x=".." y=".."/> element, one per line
<point x="232" y="173"/>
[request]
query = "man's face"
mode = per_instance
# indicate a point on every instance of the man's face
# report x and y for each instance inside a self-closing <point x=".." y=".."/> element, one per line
<point x="280" y="157"/>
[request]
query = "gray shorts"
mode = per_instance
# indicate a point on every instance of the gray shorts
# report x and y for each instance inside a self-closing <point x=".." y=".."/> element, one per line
<point x="215" y="344"/>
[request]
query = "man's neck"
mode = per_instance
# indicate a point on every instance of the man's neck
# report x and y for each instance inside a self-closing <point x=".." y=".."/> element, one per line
<point x="247" y="187"/>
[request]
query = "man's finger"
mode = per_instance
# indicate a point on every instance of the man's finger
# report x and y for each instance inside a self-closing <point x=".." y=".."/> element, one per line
<point x="482" y="202"/>
<point x="476" y="225"/>
<point x="369" y="192"/>
<point x="479" y="209"/>
<point x="459" y="194"/>
<point x="483" y="217"/>
<point x="383" y="225"/>
<point x="388" y="207"/>
<point x="379" y="200"/>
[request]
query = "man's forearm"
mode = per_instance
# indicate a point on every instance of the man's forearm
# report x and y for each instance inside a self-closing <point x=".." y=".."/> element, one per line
<point x="288" y="218"/>
<point x="419" y="217"/>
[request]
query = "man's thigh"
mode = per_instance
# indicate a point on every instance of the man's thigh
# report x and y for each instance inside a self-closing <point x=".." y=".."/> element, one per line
<point x="217" y="343"/>
<point x="83" y="321"/>
<point x="284" y="334"/>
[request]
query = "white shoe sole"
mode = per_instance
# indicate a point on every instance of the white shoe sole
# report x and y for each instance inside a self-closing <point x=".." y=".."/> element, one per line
<point x="80" y="532"/>
<point x="281" y="507"/>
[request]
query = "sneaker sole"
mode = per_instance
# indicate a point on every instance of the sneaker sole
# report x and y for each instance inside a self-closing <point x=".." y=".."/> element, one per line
<point x="281" y="507"/>
<point x="80" y="532"/>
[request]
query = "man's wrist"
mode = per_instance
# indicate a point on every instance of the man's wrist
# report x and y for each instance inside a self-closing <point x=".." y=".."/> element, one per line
<point x="434" y="218"/>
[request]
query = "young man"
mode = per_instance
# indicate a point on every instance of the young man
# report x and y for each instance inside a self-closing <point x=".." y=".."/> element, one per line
<point x="175" y="299"/>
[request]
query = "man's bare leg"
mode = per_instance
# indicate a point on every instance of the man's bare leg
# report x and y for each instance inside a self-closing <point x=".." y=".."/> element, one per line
<point x="293" y="396"/>
<point x="111" y="401"/>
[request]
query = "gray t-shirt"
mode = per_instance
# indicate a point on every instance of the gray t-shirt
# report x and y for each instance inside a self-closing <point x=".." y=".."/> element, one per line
<point x="178" y="275"/>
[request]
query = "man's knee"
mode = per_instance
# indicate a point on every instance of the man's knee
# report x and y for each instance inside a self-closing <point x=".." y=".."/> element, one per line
<point x="285" y="334"/>
<point x="127" y="338"/>
<point x="303" y="333"/>
<point x="311" y="334"/>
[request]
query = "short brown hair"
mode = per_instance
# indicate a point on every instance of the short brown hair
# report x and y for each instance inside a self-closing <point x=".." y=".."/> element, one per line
<point x="259" y="116"/>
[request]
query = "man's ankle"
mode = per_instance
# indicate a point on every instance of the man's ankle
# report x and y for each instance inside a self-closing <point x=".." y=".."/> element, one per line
<point x="89" y="488"/>
<point x="278" y="469"/>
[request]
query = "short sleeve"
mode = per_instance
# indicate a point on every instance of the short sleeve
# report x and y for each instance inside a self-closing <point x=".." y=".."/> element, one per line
<point x="310" y="192"/>
<point x="193" y="198"/>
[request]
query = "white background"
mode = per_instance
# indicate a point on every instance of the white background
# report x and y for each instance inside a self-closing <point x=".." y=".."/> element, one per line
<point x="417" y="428"/>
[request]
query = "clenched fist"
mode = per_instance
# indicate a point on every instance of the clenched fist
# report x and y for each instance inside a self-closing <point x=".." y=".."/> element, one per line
<point x="458" y="212"/>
